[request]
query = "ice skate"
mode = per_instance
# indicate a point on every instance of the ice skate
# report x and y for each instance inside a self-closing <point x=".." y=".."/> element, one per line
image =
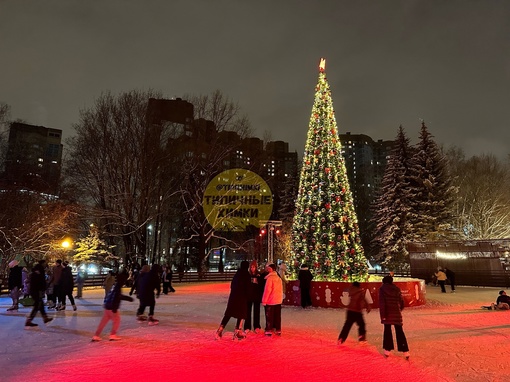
<point x="29" y="324"/>
<point x="12" y="308"/>
<point x="141" y="318"/>
<point x="96" y="339"/>
<point x="219" y="333"/>
<point x="61" y="307"/>
<point x="114" y="337"/>
<point x="47" y="319"/>
<point x="152" y="321"/>
<point x="407" y="355"/>
<point x="74" y="308"/>
<point x="387" y="353"/>
<point x="238" y="335"/>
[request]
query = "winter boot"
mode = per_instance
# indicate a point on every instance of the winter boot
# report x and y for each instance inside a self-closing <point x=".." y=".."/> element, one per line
<point x="14" y="307"/>
<point x="74" y="308"/>
<point x="362" y="338"/>
<point x="29" y="324"/>
<point x="141" y="318"/>
<point x="219" y="332"/>
<point x="47" y="319"/>
<point x="152" y="321"/>
<point x="238" y="335"/>
<point x="61" y="307"/>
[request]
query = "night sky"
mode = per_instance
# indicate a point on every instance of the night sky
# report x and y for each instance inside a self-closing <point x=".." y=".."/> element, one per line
<point x="388" y="62"/>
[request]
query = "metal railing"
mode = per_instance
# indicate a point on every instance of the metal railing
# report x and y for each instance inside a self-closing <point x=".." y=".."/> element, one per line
<point x="96" y="281"/>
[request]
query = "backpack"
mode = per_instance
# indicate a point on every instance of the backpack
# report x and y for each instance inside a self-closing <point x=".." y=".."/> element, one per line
<point x="109" y="298"/>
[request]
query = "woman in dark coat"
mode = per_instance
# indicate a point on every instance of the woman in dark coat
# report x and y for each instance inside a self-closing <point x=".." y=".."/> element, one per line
<point x="391" y="304"/>
<point x="237" y="302"/>
<point x="66" y="286"/>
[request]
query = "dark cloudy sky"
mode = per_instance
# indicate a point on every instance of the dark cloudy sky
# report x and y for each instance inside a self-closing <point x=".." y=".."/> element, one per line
<point x="389" y="62"/>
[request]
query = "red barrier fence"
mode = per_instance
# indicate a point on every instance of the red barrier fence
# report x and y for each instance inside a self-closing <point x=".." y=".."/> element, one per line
<point x="332" y="294"/>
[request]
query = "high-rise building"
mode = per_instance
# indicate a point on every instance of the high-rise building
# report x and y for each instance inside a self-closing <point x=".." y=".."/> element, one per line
<point x="365" y="161"/>
<point x="34" y="158"/>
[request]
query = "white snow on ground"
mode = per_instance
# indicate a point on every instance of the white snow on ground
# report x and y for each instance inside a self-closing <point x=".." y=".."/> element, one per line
<point x="450" y="338"/>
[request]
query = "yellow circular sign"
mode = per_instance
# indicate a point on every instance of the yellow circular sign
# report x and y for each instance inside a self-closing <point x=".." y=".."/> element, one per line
<point x="236" y="199"/>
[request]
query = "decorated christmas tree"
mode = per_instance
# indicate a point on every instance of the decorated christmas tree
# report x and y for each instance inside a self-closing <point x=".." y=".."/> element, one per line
<point x="325" y="232"/>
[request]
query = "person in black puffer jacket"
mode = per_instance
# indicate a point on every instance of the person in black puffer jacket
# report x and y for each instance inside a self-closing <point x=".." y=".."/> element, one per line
<point x="148" y="282"/>
<point x="391" y="305"/>
<point x="37" y="290"/>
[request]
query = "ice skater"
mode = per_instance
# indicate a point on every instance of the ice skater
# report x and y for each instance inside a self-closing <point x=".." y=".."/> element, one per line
<point x="391" y="304"/>
<point x="14" y="283"/>
<point x="254" y="299"/>
<point x="148" y="283"/>
<point x="237" y="302"/>
<point x="305" y="278"/>
<point x="272" y="300"/>
<point x="354" y="313"/>
<point x="37" y="290"/>
<point x="111" y="309"/>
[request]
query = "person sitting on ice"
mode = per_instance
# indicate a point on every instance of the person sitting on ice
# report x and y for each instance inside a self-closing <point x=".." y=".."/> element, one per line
<point x="503" y="301"/>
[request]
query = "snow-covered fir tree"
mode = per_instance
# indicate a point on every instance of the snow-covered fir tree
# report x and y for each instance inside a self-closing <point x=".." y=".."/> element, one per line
<point x="392" y="228"/>
<point x="433" y="191"/>
<point x="325" y="233"/>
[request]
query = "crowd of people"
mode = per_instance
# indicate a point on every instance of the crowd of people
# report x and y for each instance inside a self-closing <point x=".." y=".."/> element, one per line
<point x="250" y="288"/>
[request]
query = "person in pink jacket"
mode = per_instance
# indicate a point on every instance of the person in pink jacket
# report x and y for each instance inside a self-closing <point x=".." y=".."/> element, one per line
<point x="272" y="301"/>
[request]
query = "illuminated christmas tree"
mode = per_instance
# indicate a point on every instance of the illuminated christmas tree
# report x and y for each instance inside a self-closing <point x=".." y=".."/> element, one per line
<point x="325" y="230"/>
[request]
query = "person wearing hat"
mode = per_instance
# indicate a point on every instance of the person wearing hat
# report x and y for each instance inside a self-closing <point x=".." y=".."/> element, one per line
<point x="391" y="305"/>
<point x="14" y="283"/>
<point x="272" y="300"/>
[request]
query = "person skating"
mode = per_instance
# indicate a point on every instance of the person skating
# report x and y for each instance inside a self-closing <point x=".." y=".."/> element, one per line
<point x="441" y="279"/>
<point x="237" y="302"/>
<point x="111" y="309"/>
<point x="54" y="284"/>
<point x="305" y="278"/>
<point x="37" y="290"/>
<point x="108" y="282"/>
<point x="66" y="286"/>
<point x="254" y="299"/>
<point x="272" y="301"/>
<point x="450" y="275"/>
<point x="354" y="313"/>
<point x="15" y="283"/>
<point x="147" y="283"/>
<point x="391" y="305"/>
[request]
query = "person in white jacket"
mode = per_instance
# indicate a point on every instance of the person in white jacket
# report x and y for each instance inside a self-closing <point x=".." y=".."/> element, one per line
<point x="272" y="301"/>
